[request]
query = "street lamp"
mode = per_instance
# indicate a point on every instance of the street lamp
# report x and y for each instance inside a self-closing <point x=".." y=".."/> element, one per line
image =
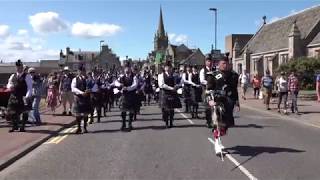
<point x="215" y="27"/>
<point x="100" y="44"/>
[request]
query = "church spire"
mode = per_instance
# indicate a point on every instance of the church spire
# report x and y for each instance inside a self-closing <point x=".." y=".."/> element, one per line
<point x="161" y="32"/>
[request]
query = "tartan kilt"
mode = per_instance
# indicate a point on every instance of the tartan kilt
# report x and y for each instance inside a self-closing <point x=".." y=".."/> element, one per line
<point x="129" y="101"/>
<point x="170" y="100"/>
<point x="15" y="104"/>
<point x="82" y="104"/>
<point x="196" y="95"/>
<point x="97" y="99"/>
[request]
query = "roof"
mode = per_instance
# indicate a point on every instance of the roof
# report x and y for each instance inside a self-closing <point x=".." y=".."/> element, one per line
<point x="316" y="40"/>
<point x="182" y="48"/>
<point x="49" y="63"/>
<point x="196" y="58"/>
<point x="274" y="36"/>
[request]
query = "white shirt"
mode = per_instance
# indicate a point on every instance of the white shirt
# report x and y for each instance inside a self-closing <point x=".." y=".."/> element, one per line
<point x="184" y="78"/>
<point x="28" y="80"/>
<point x="282" y="84"/>
<point x="244" y="78"/>
<point x="162" y="85"/>
<point x="74" y="88"/>
<point x="203" y="80"/>
<point x="133" y="86"/>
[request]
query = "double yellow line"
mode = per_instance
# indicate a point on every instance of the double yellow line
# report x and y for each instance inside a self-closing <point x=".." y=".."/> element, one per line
<point x="61" y="136"/>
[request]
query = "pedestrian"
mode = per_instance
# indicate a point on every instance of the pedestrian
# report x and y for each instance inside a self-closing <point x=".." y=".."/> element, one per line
<point x="293" y="85"/>
<point x="170" y="99"/>
<point x="36" y="94"/>
<point x="267" y="84"/>
<point x="53" y="93"/>
<point x="244" y="82"/>
<point x="65" y="91"/>
<point x="82" y="107"/>
<point x="148" y="90"/>
<point x="20" y="86"/>
<point x="282" y="86"/>
<point x="196" y="92"/>
<point x="318" y="86"/>
<point x="256" y="84"/>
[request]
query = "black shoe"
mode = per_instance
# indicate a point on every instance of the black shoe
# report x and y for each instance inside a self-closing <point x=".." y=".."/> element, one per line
<point x="11" y="130"/>
<point x="64" y="113"/>
<point x="22" y="130"/>
<point x="78" y="131"/>
<point x="70" y="113"/>
<point x="130" y="128"/>
<point x="122" y="128"/>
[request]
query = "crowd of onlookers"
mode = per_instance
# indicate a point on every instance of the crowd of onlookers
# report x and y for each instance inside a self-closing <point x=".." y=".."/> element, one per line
<point x="283" y="89"/>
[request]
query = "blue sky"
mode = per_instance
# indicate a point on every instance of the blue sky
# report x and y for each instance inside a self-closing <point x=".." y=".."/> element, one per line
<point x="39" y="29"/>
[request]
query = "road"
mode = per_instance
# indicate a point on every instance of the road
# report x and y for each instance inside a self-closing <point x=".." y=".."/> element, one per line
<point x="265" y="147"/>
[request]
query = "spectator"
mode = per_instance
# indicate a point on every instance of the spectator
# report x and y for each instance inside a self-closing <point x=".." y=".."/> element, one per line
<point x="267" y="84"/>
<point x="65" y="91"/>
<point x="256" y="84"/>
<point x="52" y="97"/>
<point x="294" y="91"/>
<point x="318" y="86"/>
<point x="282" y="87"/>
<point x="244" y="82"/>
<point x="36" y="94"/>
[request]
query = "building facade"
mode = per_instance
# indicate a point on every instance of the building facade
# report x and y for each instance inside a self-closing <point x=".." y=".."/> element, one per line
<point x="105" y="59"/>
<point x="279" y="42"/>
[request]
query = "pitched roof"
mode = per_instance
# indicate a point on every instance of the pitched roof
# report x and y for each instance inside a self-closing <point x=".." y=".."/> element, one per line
<point x="316" y="40"/>
<point x="196" y="58"/>
<point x="274" y="36"/>
<point x="182" y="48"/>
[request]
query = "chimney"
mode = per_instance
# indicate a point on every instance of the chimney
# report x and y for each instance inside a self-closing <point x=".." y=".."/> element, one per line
<point x="68" y="51"/>
<point x="264" y="19"/>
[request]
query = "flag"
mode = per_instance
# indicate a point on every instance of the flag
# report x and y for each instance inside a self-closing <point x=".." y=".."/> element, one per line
<point x="159" y="58"/>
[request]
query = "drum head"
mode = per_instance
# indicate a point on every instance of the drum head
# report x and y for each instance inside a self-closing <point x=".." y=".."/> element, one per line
<point x="179" y="91"/>
<point x="115" y="91"/>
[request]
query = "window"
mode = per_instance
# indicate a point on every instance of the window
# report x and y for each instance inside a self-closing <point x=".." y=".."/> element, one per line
<point x="284" y="58"/>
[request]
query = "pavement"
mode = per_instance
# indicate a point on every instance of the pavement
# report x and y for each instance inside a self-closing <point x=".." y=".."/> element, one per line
<point x="261" y="146"/>
<point x="17" y="144"/>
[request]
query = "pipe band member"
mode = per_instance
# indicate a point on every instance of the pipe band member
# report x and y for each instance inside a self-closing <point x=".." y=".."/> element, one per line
<point x="204" y="74"/>
<point x="20" y="85"/>
<point x="128" y="83"/>
<point x="170" y="99"/>
<point x="196" y="92"/>
<point x="82" y="107"/>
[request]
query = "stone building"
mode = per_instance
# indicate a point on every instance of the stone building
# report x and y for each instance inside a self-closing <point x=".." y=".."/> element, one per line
<point x="279" y="42"/>
<point x="163" y="50"/>
<point x="236" y="41"/>
<point x="105" y="59"/>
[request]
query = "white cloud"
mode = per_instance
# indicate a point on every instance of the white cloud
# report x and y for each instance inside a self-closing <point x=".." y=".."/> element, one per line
<point x="47" y="22"/>
<point x="171" y="36"/>
<point x="23" y="32"/>
<point x="22" y="46"/>
<point x="181" y="38"/>
<point x="178" y="38"/>
<point x="4" y="31"/>
<point x="94" y="30"/>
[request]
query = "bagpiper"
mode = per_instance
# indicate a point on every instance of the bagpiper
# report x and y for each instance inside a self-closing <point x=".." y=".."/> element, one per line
<point x="128" y="84"/>
<point x="148" y="90"/>
<point x="187" y="88"/>
<point x="204" y="74"/>
<point x="95" y="84"/>
<point x="82" y="105"/>
<point x="196" y="92"/>
<point x="170" y="99"/>
<point x="20" y="86"/>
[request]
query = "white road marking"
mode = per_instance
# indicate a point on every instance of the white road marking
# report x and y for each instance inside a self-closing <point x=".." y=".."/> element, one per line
<point x="234" y="161"/>
<point x="190" y="121"/>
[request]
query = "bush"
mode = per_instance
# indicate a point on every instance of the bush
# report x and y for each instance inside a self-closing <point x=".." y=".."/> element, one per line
<point x="306" y="68"/>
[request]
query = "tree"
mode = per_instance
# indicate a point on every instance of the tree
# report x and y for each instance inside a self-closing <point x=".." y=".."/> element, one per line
<point x="306" y="68"/>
